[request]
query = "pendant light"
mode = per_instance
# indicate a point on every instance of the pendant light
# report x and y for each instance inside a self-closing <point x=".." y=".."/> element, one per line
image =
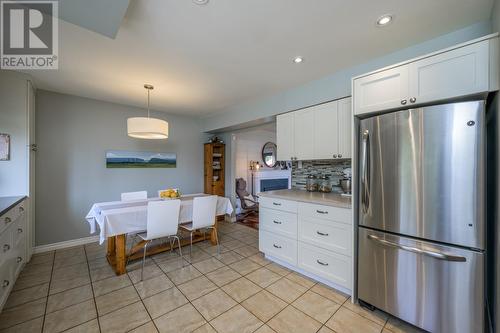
<point x="146" y="127"/>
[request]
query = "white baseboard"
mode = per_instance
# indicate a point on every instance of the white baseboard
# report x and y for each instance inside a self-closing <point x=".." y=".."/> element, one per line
<point x="65" y="244"/>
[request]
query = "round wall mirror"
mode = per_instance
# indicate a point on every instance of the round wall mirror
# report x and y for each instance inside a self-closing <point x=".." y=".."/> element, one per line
<point x="269" y="154"/>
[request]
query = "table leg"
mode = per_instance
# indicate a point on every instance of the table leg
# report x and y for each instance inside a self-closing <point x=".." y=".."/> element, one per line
<point x="121" y="255"/>
<point x="111" y="247"/>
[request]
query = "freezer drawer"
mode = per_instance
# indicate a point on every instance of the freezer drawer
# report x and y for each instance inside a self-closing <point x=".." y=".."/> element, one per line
<point x="438" y="288"/>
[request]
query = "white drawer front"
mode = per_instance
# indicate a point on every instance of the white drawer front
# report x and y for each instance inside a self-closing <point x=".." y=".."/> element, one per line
<point x="11" y="216"/>
<point x="6" y="246"/>
<point x="18" y="231"/>
<point x="325" y="212"/>
<point x="283" y="223"/>
<point x="279" y="204"/>
<point x="326" y="264"/>
<point x="278" y="246"/>
<point x="329" y="235"/>
<point x="6" y="282"/>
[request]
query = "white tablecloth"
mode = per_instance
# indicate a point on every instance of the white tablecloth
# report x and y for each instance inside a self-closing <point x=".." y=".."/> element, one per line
<point x="119" y="217"/>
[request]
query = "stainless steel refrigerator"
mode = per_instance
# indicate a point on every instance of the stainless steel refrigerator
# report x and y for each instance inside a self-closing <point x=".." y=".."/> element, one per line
<point x="422" y="215"/>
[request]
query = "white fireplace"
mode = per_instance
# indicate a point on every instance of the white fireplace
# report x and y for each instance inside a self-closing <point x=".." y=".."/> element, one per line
<point x="269" y="180"/>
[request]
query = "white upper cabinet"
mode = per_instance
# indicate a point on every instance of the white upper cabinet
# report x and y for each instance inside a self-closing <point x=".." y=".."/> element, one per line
<point x="459" y="72"/>
<point x="285" y="137"/>
<point x="316" y="133"/>
<point x="326" y="134"/>
<point x="462" y="71"/>
<point x="381" y="91"/>
<point x="304" y="134"/>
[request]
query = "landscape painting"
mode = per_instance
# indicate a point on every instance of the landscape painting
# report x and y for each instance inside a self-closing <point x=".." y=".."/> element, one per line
<point x="134" y="159"/>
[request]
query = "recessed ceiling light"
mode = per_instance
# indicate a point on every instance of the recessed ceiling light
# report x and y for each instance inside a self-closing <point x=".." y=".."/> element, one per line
<point x="298" y="60"/>
<point x="384" y="20"/>
<point x="200" y="2"/>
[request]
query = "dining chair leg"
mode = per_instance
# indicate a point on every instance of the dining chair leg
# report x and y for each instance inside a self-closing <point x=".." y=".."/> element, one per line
<point x="217" y="239"/>
<point x="180" y="251"/>
<point x="144" y="259"/>
<point x="191" y="247"/>
<point x="172" y="242"/>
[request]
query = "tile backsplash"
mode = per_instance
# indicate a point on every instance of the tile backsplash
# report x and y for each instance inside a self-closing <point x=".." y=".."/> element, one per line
<point x="331" y="168"/>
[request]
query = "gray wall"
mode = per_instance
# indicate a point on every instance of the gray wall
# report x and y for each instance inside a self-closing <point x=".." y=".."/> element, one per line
<point x="14" y="121"/>
<point x="335" y="86"/>
<point x="73" y="134"/>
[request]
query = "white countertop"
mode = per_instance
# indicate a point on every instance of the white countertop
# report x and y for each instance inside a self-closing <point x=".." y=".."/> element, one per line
<point x="329" y="199"/>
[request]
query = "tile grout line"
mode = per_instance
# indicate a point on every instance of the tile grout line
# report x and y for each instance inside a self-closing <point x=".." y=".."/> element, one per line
<point x="48" y="291"/>
<point x="92" y="289"/>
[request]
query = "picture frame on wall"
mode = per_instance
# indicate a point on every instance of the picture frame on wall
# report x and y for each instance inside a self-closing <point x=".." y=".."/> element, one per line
<point x="4" y="147"/>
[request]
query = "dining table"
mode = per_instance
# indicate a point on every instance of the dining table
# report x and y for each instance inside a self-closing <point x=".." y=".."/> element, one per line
<point x="116" y="219"/>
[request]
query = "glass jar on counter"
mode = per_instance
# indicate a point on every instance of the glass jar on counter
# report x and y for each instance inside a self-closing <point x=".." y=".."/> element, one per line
<point x="325" y="186"/>
<point x="311" y="183"/>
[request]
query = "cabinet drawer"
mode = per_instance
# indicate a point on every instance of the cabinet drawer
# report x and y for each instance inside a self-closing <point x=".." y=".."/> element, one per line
<point x="329" y="235"/>
<point x="11" y="216"/>
<point x="6" y="247"/>
<point x="18" y="231"/>
<point x="325" y="212"/>
<point x="6" y="282"/>
<point x="279" y="204"/>
<point x="326" y="264"/>
<point x="283" y="223"/>
<point x="278" y="246"/>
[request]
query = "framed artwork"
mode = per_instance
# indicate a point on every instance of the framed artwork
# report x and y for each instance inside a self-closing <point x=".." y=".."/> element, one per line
<point x="4" y="147"/>
<point x="133" y="159"/>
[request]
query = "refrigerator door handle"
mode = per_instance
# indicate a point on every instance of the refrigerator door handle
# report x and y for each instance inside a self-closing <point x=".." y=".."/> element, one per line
<point x="365" y="173"/>
<point x="436" y="255"/>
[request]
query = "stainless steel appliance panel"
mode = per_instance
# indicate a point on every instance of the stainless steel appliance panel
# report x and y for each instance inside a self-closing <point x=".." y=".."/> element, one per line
<point x="438" y="288"/>
<point x="422" y="173"/>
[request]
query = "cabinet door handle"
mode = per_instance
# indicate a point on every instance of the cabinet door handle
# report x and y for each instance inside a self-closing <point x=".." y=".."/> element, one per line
<point x="6" y="247"/>
<point x="8" y="220"/>
<point x="322" y="263"/>
<point x="21" y="209"/>
<point x="19" y="230"/>
<point x="276" y="203"/>
<point x="321" y="211"/>
<point x="413" y="100"/>
<point x="5" y="283"/>
<point x="19" y="259"/>
<point x="277" y="246"/>
<point x="321" y="233"/>
<point x="340" y="155"/>
<point x="276" y="222"/>
<point x="334" y="155"/>
<point x="403" y="102"/>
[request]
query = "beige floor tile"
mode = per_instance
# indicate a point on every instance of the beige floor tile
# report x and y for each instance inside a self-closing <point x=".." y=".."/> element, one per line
<point x="124" y="319"/>
<point x="172" y="264"/>
<point x="69" y="297"/>
<point x="110" y="284"/>
<point x="265" y="329"/>
<point x="213" y="304"/>
<point x="146" y="328"/>
<point x="263" y="277"/>
<point x="99" y="262"/>
<point x="223" y="276"/>
<point x="229" y="257"/>
<point x="287" y="290"/>
<point x="150" y="271"/>
<point x="208" y="265"/>
<point x="316" y="306"/>
<point x="260" y="259"/>
<point x="278" y="269"/>
<point x="76" y="277"/>
<point x="102" y="272"/>
<point x="197" y="255"/>
<point x="153" y="286"/>
<point x="346" y="321"/>
<point x="42" y="258"/>
<point x="325" y="329"/>
<point x="69" y="261"/>
<point x="330" y="293"/>
<point x="164" y="302"/>
<point x="301" y="279"/>
<point x="116" y="299"/>
<point x="70" y="272"/>
<point x="27" y="295"/>
<point x="24" y="282"/>
<point x="205" y="329"/>
<point x="395" y="325"/>
<point x="37" y="269"/>
<point x="245" y="266"/>
<point x="69" y="317"/>
<point x="22" y="313"/>
<point x="241" y="289"/>
<point x="212" y="250"/>
<point x="246" y="250"/>
<point x="233" y="244"/>
<point x="88" y="327"/>
<point x="291" y="320"/>
<point x="183" y="274"/>
<point x="197" y="288"/>
<point x="264" y="305"/>
<point x="377" y="316"/>
<point x="238" y="319"/>
<point x="184" y="319"/>
<point x="31" y="326"/>
<point x="70" y="252"/>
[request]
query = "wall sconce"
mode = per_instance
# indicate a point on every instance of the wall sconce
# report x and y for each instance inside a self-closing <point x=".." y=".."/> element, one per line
<point x="254" y="165"/>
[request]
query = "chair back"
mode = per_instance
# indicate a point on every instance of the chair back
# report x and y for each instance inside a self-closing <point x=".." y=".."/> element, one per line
<point x="130" y="196"/>
<point x="163" y="218"/>
<point x="204" y="209"/>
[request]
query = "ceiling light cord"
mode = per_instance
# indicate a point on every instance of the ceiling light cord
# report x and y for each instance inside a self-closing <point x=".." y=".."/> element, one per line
<point x="148" y="102"/>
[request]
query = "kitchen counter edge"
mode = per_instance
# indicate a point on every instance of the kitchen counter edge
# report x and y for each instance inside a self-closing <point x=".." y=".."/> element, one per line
<point x="328" y="199"/>
<point x="7" y="203"/>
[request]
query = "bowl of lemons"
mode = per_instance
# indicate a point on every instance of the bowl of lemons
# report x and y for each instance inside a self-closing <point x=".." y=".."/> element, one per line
<point x="171" y="193"/>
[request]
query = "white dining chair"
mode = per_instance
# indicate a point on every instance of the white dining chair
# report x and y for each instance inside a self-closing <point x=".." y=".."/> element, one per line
<point x="129" y="196"/>
<point x="204" y="209"/>
<point x="162" y="222"/>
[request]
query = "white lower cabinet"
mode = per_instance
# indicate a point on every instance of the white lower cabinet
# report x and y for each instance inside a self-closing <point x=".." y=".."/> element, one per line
<point x="313" y="239"/>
